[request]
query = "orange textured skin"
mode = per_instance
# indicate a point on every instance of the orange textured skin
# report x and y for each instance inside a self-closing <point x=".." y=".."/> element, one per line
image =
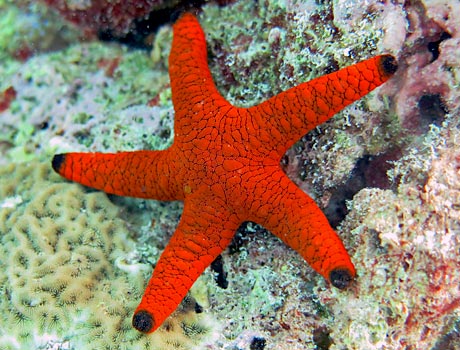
<point x="225" y="166"/>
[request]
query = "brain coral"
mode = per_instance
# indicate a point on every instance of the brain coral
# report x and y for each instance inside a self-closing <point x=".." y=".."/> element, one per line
<point x="65" y="277"/>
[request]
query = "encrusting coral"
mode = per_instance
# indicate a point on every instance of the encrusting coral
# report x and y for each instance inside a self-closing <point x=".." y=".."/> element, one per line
<point x="65" y="273"/>
<point x="407" y="252"/>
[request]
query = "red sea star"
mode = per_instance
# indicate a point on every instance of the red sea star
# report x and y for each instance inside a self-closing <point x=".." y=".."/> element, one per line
<point x="225" y="165"/>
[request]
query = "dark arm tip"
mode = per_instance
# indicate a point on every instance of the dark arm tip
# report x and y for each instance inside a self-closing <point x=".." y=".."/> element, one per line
<point x="389" y="65"/>
<point x="340" y="278"/>
<point x="143" y="321"/>
<point x="57" y="162"/>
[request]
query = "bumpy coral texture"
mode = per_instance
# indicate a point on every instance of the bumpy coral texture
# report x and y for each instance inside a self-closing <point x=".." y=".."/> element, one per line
<point x="407" y="254"/>
<point x="63" y="272"/>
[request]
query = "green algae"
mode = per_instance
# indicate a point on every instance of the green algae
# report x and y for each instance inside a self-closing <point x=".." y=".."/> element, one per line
<point x="84" y="95"/>
<point x="292" y="43"/>
<point x="28" y="28"/>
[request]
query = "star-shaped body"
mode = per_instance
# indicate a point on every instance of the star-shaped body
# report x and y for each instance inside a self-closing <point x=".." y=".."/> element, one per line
<point x="225" y="165"/>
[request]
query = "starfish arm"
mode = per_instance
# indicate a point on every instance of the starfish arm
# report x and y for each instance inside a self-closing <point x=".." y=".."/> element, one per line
<point x="194" y="95"/>
<point x="294" y="217"/>
<point x="143" y="174"/>
<point x="205" y="230"/>
<point x="296" y="111"/>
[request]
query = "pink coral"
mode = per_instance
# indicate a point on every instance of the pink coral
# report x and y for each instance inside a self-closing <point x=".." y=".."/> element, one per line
<point x="427" y="90"/>
<point x="115" y="16"/>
